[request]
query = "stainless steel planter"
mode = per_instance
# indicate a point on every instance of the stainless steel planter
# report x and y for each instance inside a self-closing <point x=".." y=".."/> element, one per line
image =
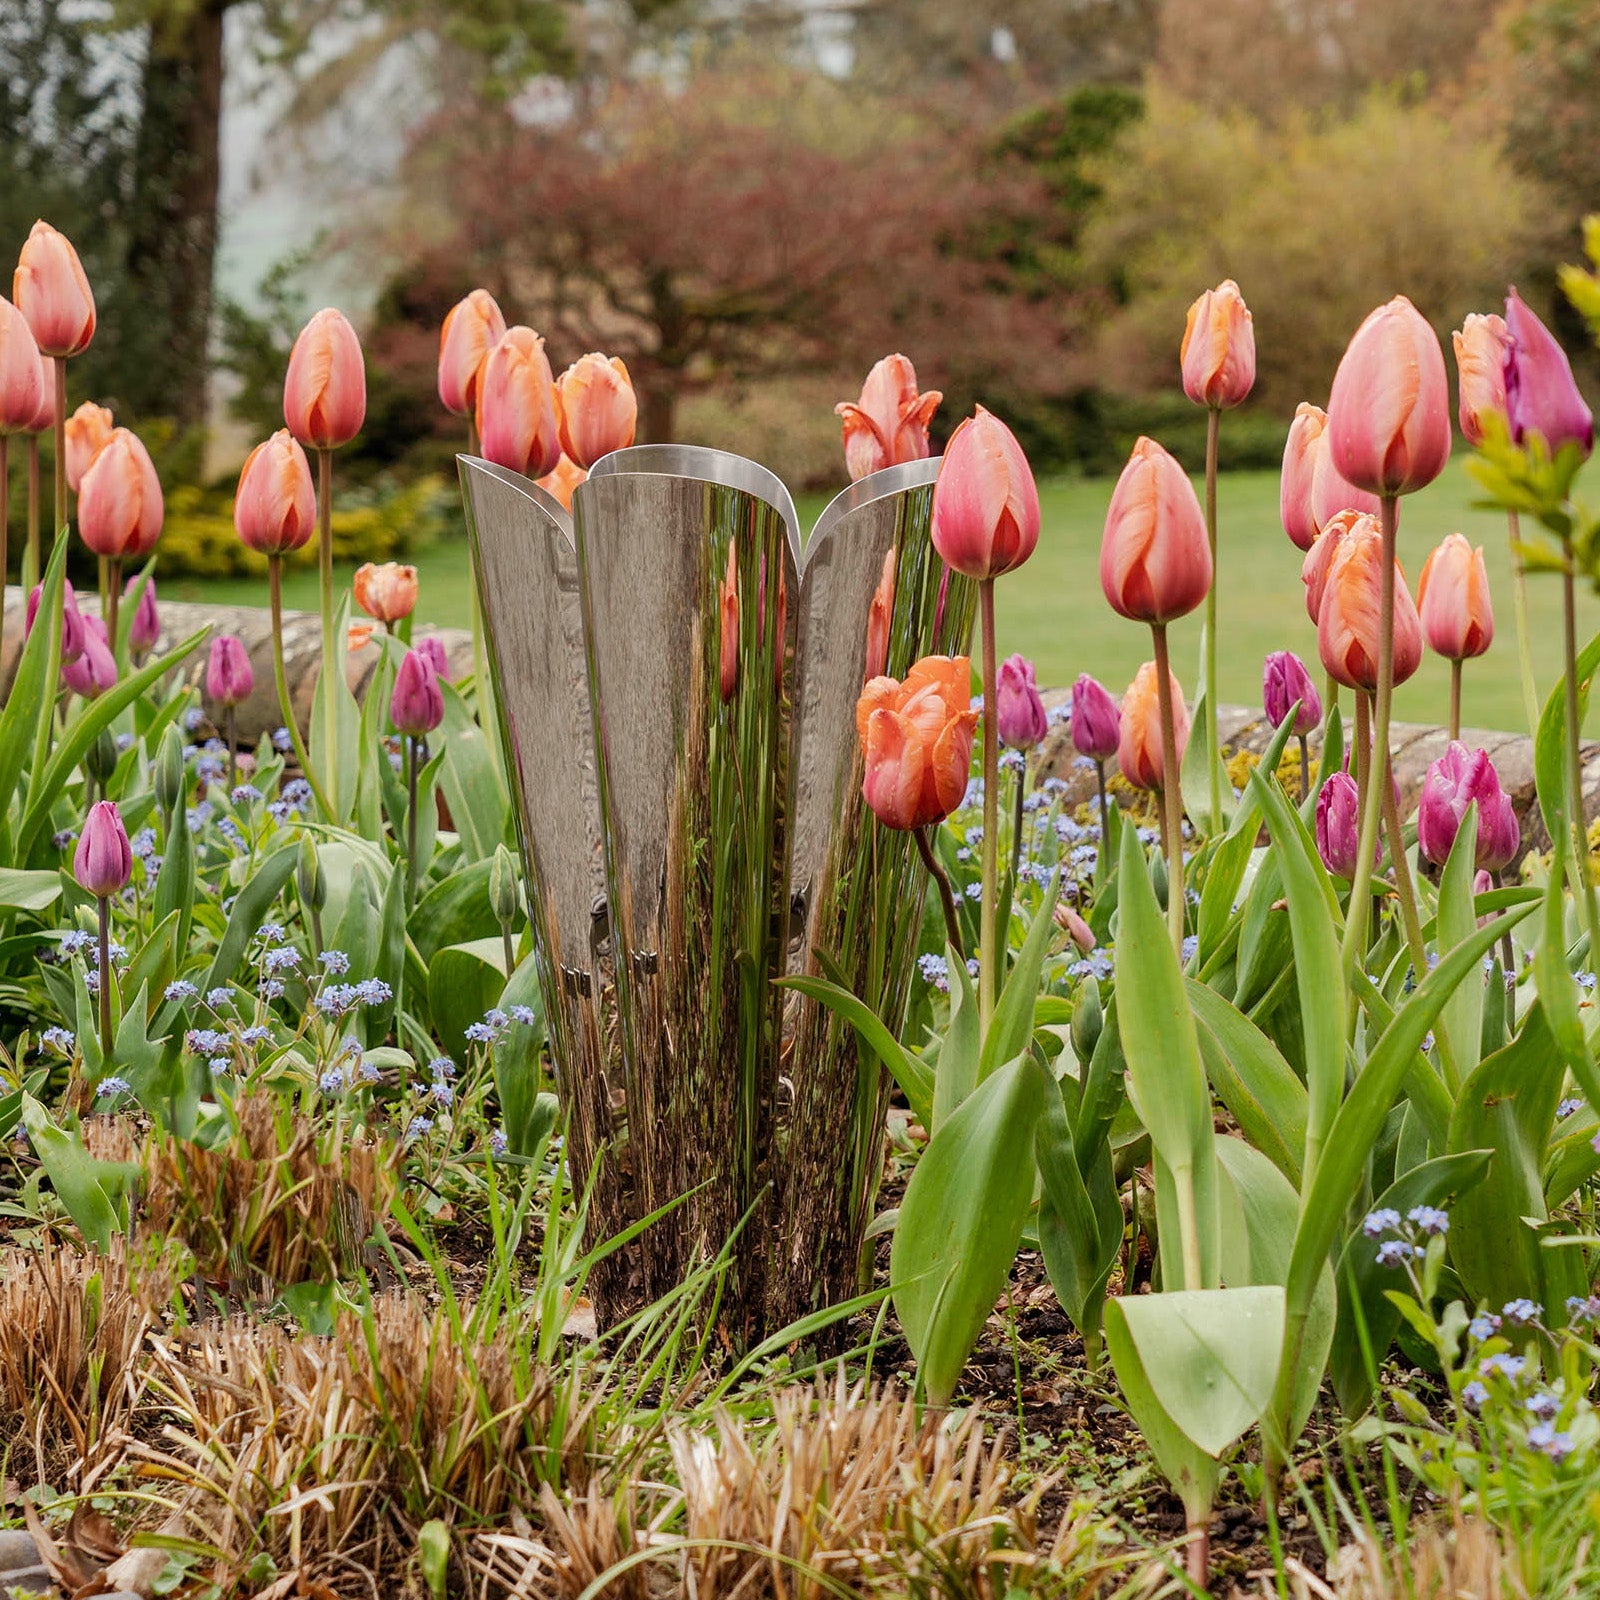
<point x="677" y="689"/>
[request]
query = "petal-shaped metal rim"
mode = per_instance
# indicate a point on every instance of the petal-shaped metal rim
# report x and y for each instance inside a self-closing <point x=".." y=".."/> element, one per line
<point x="523" y="484"/>
<point x="875" y="486"/>
<point x="706" y="465"/>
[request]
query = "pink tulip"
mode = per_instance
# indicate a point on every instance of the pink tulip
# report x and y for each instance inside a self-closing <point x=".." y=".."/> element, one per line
<point x="417" y="706"/>
<point x="1020" y="719"/>
<point x="103" y="861"/>
<point x="1096" y="722"/>
<point x="985" y="503"/>
<point x="1482" y="345"/>
<point x="22" y="390"/>
<point x="94" y="669"/>
<point x="1300" y="452"/>
<point x="472" y="328"/>
<point x="1319" y="558"/>
<point x="598" y="408"/>
<point x="44" y="418"/>
<point x="1348" y="620"/>
<point x="275" y="505"/>
<point x="325" y="388"/>
<point x="1459" y="778"/>
<point x="71" y="621"/>
<point x="888" y="425"/>
<point x="1332" y="493"/>
<point x="1389" y="412"/>
<point x="51" y="291"/>
<point x="230" y="679"/>
<point x="1541" y="394"/>
<point x="1453" y="600"/>
<point x="1219" y="348"/>
<point x="1339" y="825"/>
<point x="145" y="629"/>
<point x="518" y="426"/>
<point x="89" y="431"/>
<point x="431" y="648"/>
<point x="1285" y="681"/>
<point x="119" y="502"/>
<point x="1155" y="561"/>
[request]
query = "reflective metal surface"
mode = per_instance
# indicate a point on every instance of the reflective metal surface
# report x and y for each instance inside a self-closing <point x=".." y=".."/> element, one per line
<point x="678" y="695"/>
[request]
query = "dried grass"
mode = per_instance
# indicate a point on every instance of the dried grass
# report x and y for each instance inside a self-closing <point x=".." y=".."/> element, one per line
<point x="1461" y="1561"/>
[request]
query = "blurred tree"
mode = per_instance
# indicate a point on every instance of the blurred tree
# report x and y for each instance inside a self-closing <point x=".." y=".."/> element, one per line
<point x="1319" y="220"/>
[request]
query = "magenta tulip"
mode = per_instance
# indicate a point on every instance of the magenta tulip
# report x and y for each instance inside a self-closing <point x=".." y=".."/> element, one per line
<point x="1541" y="394"/>
<point x="1096" y="721"/>
<point x="94" y="669"/>
<point x="417" y="707"/>
<point x="1284" y="680"/>
<point x="145" y="629"/>
<point x="1458" y="779"/>
<point x="1338" y="824"/>
<point x="1019" y="712"/>
<point x="103" y="861"/>
<point x="230" y="678"/>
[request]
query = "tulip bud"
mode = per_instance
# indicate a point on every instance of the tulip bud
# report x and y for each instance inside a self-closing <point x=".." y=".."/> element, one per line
<point x="1453" y="600"/>
<point x="563" y="481"/>
<point x="1139" y="754"/>
<point x="310" y="879"/>
<point x="230" y="679"/>
<point x="94" y="669"/>
<point x="888" y="426"/>
<point x="417" y="706"/>
<point x="517" y="422"/>
<point x="504" y="886"/>
<point x="103" y="861"/>
<point x="1389" y="412"/>
<point x="145" y="629"/>
<point x="916" y="742"/>
<point x="1458" y="779"/>
<point x="431" y="649"/>
<point x="71" y="621"/>
<point x="119" y="501"/>
<point x="1348" y="618"/>
<point x="89" y="431"/>
<point x="51" y="291"/>
<point x="1284" y="680"/>
<point x="1155" y="561"/>
<point x="171" y="781"/>
<point x="472" y="328"/>
<point x="598" y="408"/>
<point x="102" y="756"/>
<point x="1020" y="719"/>
<point x="985" y="502"/>
<point x="1219" y="348"/>
<point x="387" y="593"/>
<point x="1300" y="451"/>
<point x="1541" y="395"/>
<point x="275" y="505"/>
<point x="325" y="388"/>
<point x="1482" y="346"/>
<point x="880" y="617"/>
<point x="1088" y="1020"/>
<point x="22" y="389"/>
<point x="1339" y="825"/>
<point x="1096" y="722"/>
<point x="1071" y="924"/>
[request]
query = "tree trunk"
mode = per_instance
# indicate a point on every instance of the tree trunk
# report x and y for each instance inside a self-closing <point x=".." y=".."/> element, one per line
<point x="658" y="411"/>
<point x="172" y="250"/>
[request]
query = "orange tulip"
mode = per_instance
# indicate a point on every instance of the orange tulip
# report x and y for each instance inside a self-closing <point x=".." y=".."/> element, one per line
<point x="1481" y="345"/>
<point x="325" y="388"/>
<point x="1389" y="412"/>
<point x="1300" y="452"/>
<point x="879" y="615"/>
<point x="1219" y="348"/>
<point x="1453" y="600"/>
<point x="386" y="593"/>
<point x="916" y="742"/>
<point x="985" y="502"/>
<point x="275" y="506"/>
<point x="1319" y="558"/>
<point x="563" y="482"/>
<point x="51" y="291"/>
<point x="1155" y="562"/>
<point x="472" y="328"/>
<point x="1331" y="491"/>
<point x="1348" y="621"/>
<point x="1139" y="736"/>
<point x="517" y="422"/>
<point x="728" y="637"/>
<point x="598" y="408"/>
<point x="119" y="501"/>
<point x="22" y="389"/>
<point x="888" y="426"/>
<point x="89" y="429"/>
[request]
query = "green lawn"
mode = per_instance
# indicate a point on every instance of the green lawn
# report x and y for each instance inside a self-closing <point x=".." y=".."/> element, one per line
<point x="1053" y="610"/>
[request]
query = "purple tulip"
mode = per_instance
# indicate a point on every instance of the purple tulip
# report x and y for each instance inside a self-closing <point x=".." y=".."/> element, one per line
<point x="418" y="704"/>
<point x="1284" y="680"/>
<point x="146" y="626"/>
<point x="433" y="648"/>
<point x="71" y="621"/>
<point x="1339" y="824"/>
<point x="1458" y="779"/>
<point x="104" y="858"/>
<point x="94" y="669"/>
<point x="1541" y="395"/>
<point x="230" y="679"/>
<point x="1096" y="722"/>
<point x="1020" y="721"/>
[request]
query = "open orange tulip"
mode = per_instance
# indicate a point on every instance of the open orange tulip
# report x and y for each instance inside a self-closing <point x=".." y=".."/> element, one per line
<point x="1481" y="344"/>
<point x="386" y="592"/>
<point x="1348" y="618"/>
<point x="916" y="742"/>
<point x="1139" y="734"/>
<point x="563" y="481"/>
<point x="1219" y="348"/>
<point x="888" y="425"/>
<point x="88" y="430"/>
<point x="598" y="408"/>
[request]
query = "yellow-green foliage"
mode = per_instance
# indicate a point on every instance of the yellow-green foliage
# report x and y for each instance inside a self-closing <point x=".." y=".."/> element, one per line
<point x="368" y="525"/>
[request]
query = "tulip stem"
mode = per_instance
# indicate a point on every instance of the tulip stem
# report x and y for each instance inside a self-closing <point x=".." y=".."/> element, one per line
<point x="1519" y="610"/>
<point x="5" y="530"/>
<point x="1508" y="957"/>
<point x="61" y="443"/>
<point x="947" y="899"/>
<point x="1305" y="769"/>
<point x="1578" y="825"/>
<point x="1362" y="753"/>
<point x="1355" y="928"/>
<point x="1017" y="824"/>
<point x="233" y="749"/>
<point x="113" y="571"/>
<point x="988" y="953"/>
<point x="286" y="704"/>
<point x="1213" y="755"/>
<point x="30" y="556"/>
<point x="1171" y="793"/>
<point x="1105" y="809"/>
<point x="330" y="655"/>
<point x="411" y="820"/>
<point x="106" y="1037"/>
<point x="1402" y="876"/>
<point x="1455" y="700"/>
